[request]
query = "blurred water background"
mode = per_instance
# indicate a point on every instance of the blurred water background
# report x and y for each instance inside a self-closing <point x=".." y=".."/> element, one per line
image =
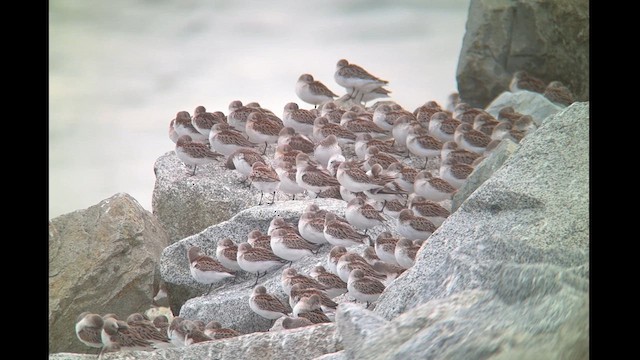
<point x="120" y="70"/>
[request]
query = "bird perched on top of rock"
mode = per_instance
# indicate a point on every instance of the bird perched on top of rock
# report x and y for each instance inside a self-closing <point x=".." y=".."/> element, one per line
<point x="313" y="91"/>
<point x="355" y="79"/>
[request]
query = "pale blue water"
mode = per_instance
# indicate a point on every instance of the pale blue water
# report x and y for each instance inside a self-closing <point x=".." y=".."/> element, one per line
<point x="120" y="70"/>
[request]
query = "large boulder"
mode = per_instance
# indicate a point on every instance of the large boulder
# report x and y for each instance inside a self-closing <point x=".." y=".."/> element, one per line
<point x="102" y="259"/>
<point x="522" y="237"/>
<point x="551" y="322"/>
<point x="548" y="38"/>
<point x="186" y="205"/>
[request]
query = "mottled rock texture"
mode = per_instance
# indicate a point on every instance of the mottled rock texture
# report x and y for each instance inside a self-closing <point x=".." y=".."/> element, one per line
<point x="547" y="38"/>
<point x="483" y="171"/>
<point x="101" y="259"/>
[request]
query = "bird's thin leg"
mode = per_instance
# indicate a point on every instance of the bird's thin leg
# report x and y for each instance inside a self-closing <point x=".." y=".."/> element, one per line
<point x="261" y="195"/>
<point x="273" y="199"/>
<point x="383" y="205"/>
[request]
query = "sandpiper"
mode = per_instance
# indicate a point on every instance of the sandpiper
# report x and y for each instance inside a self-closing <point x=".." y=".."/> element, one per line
<point x="227" y="254"/>
<point x="385" y="246"/>
<point x="183" y="126"/>
<point x="291" y="276"/>
<point x="364" y="288"/>
<point x="88" y="328"/>
<point x="362" y="215"/>
<point x="326" y="148"/>
<point x="264" y="178"/>
<point x="313" y="91"/>
<point x="300" y="120"/>
<point x="431" y="187"/>
<point x="522" y="80"/>
<point x="356" y="79"/>
<point x="414" y="227"/>
<point x="557" y="93"/>
<point x="194" y="153"/>
<point x="433" y="211"/>
<point x="267" y="305"/>
<point x="257" y="260"/>
<point x="334" y="286"/>
<point x="338" y="233"/>
<point x="214" y="330"/>
<point x="405" y="252"/>
<point x="289" y="245"/>
<point x="295" y="140"/>
<point x="205" y="269"/>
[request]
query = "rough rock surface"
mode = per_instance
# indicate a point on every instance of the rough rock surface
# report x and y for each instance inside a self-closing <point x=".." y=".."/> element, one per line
<point x="230" y="304"/>
<point x="550" y="323"/>
<point x="101" y="259"/>
<point x="295" y="344"/>
<point x="483" y="171"/>
<point x="529" y="219"/>
<point x="186" y="205"/>
<point x="526" y="103"/>
<point x="340" y="355"/>
<point x="71" y="356"/>
<point x="549" y="39"/>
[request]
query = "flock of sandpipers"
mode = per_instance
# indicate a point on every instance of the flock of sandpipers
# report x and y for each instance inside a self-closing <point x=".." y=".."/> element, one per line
<point x="357" y="154"/>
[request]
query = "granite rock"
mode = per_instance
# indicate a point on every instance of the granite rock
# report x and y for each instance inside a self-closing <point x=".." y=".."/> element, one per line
<point x="551" y="323"/>
<point x="518" y="232"/>
<point x="102" y="259"/>
<point x="483" y="171"/>
<point x="186" y="205"/>
<point x="549" y="39"/>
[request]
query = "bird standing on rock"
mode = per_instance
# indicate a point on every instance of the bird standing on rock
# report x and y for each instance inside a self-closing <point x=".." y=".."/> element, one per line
<point x="205" y="269"/>
<point x="355" y="79"/>
<point x="313" y="91"/>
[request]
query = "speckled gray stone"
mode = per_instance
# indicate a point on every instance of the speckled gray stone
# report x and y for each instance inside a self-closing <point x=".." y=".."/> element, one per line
<point x="186" y="205"/>
<point x="356" y="324"/>
<point x="340" y="355"/>
<point x="296" y="344"/>
<point x="526" y="103"/>
<point x="102" y="259"/>
<point x="483" y="171"/>
<point x="548" y="38"/>
<point x="534" y="209"/>
<point x="478" y="324"/>
<point x="71" y="356"/>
